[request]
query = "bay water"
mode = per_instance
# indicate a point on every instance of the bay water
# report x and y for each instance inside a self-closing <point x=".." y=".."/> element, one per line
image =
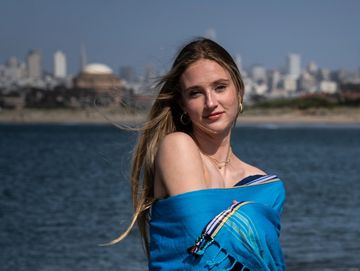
<point x="64" y="189"/>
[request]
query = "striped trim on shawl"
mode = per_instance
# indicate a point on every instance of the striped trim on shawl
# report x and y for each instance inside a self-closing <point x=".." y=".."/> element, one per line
<point x="213" y="227"/>
<point x="260" y="180"/>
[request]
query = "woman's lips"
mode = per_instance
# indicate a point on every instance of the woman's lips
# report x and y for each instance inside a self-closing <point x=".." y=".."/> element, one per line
<point x="214" y="116"/>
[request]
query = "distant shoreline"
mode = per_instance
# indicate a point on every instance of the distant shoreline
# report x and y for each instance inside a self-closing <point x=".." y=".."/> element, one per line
<point x="340" y="115"/>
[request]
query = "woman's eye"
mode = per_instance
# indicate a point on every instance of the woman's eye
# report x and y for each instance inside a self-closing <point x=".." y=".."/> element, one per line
<point x="220" y="87"/>
<point x="194" y="93"/>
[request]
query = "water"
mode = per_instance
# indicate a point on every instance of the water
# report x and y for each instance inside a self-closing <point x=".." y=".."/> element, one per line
<point x="65" y="189"/>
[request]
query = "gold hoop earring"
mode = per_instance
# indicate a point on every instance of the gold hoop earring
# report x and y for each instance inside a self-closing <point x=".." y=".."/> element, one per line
<point x="241" y="108"/>
<point x="185" y="122"/>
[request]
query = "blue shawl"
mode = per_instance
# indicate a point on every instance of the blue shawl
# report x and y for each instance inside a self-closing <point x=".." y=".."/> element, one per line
<point x="219" y="229"/>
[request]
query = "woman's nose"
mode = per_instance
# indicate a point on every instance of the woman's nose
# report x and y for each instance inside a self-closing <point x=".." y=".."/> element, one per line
<point x="211" y="100"/>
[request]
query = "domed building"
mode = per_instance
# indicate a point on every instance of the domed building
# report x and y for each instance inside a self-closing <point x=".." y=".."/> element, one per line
<point x="96" y="83"/>
<point x="98" y="77"/>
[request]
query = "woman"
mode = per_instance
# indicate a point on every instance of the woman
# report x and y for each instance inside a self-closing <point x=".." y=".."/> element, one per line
<point x="205" y="209"/>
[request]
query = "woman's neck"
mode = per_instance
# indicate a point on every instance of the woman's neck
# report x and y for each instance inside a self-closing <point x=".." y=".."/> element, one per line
<point x="216" y="146"/>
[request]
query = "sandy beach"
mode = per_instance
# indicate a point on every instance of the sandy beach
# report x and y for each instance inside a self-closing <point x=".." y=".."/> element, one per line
<point x="339" y="115"/>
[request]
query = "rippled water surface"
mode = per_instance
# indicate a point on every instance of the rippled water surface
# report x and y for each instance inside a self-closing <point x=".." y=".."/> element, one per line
<point x="64" y="190"/>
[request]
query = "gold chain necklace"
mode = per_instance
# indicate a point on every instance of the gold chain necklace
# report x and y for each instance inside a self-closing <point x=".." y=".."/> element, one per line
<point x="220" y="164"/>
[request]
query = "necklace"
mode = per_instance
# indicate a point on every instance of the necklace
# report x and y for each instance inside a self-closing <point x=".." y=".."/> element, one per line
<point x="220" y="164"/>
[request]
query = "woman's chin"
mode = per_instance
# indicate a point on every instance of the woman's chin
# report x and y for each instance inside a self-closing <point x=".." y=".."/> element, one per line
<point x="215" y="127"/>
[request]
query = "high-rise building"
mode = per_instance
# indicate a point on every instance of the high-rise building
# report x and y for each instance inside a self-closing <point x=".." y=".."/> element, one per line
<point x="258" y="74"/>
<point x="289" y="83"/>
<point x="83" y="57"/>
<point x="293" y="66"/>
<point x="312" y="68"/>
<point x="59" y="64"/>
<point x="34" y="64"/>
<point x="324" y="74"/>
<point x="307" y="82"/>
<point x="274" y="79"/>
<point x="13" y="71"/>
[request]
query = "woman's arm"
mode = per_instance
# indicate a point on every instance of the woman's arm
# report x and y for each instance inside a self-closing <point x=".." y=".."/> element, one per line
<point x="178" y="165"/>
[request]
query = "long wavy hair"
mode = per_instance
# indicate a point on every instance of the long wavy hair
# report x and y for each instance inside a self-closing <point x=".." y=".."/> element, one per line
<point x="163" y="119"/>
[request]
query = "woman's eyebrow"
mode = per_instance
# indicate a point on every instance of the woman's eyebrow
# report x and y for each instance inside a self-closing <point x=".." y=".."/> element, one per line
<point x="216" y="82"/>
<point x="196" y="87"/>
<point x="220" y="81"/>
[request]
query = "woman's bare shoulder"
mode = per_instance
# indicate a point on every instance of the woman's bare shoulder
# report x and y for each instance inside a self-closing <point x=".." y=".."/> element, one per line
<point x="177" y="138"/>
<point x="178" y="164"/>
<point x="177" y="145"/>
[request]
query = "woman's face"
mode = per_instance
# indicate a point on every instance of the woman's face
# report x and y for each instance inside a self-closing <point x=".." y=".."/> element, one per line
<point x="209" y="95"/>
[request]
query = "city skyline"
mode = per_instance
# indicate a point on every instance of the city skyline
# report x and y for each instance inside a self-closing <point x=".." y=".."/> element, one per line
<point x="138" y="34"/>
<point x="33" y="67"/>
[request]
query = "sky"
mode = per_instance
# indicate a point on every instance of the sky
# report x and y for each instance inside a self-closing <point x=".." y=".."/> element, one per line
<point x="149" y="32"/>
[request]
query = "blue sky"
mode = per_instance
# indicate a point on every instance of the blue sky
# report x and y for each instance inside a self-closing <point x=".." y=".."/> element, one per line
<point x="119" y="33"/>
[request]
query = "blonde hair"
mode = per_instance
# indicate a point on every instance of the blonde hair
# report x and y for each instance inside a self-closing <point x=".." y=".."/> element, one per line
<point x="163" y="119"/>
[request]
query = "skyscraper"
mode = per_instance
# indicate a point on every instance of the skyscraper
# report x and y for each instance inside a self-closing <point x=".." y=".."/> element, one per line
<point x="59" y="64"/>
<point x="312" y="68"/>
<point x="34" y="64"/>
<point x="258" y="73"/>
<point x="83" y="57"/>
<point x="14" y="69"/>
<point x="293" y="66"/>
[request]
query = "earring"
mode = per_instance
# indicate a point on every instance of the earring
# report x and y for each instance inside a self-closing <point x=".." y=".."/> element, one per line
<point x="241" y="108"/>
<point x="184" y="122"/>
